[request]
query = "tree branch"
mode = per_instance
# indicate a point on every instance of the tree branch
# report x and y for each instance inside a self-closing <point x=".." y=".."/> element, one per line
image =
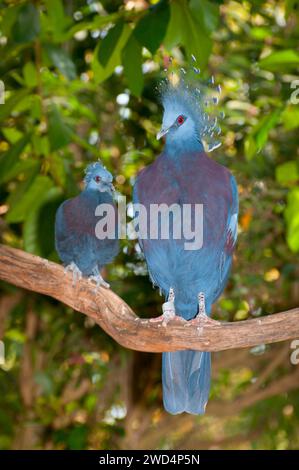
<point x="117" y="319"/>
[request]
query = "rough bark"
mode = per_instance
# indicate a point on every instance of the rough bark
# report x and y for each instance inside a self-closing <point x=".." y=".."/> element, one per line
<point x="118" y="320"/>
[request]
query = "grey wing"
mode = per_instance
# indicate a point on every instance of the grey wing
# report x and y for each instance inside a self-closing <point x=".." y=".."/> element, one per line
<point x="72" y="245"/>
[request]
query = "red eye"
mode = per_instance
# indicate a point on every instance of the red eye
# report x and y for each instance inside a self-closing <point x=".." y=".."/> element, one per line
<point x="97" y="179"/>
<point x="180" y="120"/>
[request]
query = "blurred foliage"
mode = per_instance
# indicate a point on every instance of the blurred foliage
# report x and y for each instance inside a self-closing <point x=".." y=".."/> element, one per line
<point x="80" y="83"/>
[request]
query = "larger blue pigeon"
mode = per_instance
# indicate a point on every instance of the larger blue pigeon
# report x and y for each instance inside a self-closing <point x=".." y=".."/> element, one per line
<point x="191" y="280"/>
<point x="82" y="249"/>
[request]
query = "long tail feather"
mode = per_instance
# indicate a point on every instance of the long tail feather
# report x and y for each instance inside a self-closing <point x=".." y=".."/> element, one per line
<point x="186" y="381"/>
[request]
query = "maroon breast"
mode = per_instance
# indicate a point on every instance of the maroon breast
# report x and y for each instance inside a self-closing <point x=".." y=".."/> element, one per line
<point x="192" y="179"/>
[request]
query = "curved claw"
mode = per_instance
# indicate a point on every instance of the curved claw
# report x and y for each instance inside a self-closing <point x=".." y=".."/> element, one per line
<point x="76" y="273"/>
<point x="99" y="281"/>
<point x="202" y="319"/>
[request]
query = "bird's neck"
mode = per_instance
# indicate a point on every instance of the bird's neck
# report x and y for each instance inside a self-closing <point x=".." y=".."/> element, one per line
<point x="90" y="191"/>
<point x="98" y="197"/>
<point x="178" y="146"/>
<point x="93" y="194"/>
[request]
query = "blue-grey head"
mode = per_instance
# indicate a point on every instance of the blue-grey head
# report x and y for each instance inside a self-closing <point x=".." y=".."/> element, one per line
<point x="98" y="178"/>
<point x="186" y="123"/>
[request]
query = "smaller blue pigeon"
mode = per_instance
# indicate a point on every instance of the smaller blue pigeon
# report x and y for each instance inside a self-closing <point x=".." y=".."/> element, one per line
<point x="78" y="246"/>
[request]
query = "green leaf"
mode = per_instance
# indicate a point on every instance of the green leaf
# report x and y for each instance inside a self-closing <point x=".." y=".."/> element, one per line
<point x="30" y="233"/>
<point x="77" y="437"/>
<point x="292" y="219"/>
<point x="174" y="34"/>
<point x="56" y="18"/>
<point x="17" y="193"/>
<point x="31" y="200"/>
<point x="151" y="29"/>
<point x="260" y="33"/>
<point x="187" y="27"/>
<point x="196" y="38"/>
<point x="57" y="169"/>
<point x="30" y="76"/>
<point x="15" y="98"/>
<point x="255" y="142"/>
<point x="267" y="123"/>
<point x="27" y="26"/>
<point x="41" y="145"/>
<point x="10" y="158"/>
<point x="102" y="73"/>
<point x="109" y="43"/>
<point x="36" y="110"/>
<point x="59" y="133"/>
<point x="290" y="117"/>
<point x="207" y="14"/>
<point x="38" y="233"/>
<point x="287" y="172"/>
<point x="9" y="16"/>
<point x="250" y="147"/>
<point x="99" y="21"/>
<point x="279" y="61"/>
<point x="21" y="189"/>
<point x="21" y="167"/>
<point x="292" y="6"/>
<point x="62" y="61"/>
<point x="132" y="62"/>
<point x="15" y="335"/>
<point x="11" y="134"/>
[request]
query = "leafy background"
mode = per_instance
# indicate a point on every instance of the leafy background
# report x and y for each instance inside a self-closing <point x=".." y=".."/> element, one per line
<point x="80" y="79"/>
